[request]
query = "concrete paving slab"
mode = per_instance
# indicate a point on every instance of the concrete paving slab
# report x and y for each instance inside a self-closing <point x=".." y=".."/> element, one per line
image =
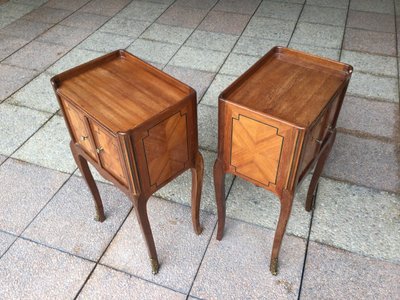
<point x="205" y="4"/>
<point x="255" y="46"/>
<point x="47" y="15"/>
<point x="208" y="127"/>
<point x="237" y="6"/>
<point x="224" y="22"/>
<point x="5" y="241"/>
<point x="48" y="54"/>
<point x="374" y="87"/>
<point x="319" y="51"/>
<point x="104" y="8"/>
<point x="67" y="223"/>
<point x="324" y="15"/>
<point x="179" y="249"/>
<point x="357" y="219"/>
<point x="25" y="29"/>
<point x="65" y="35"/>
<point x="85" y="20"/>
<point x="370" y="41"/>
<point x="153" y="51"/>
<point x="199" y="80"/>
<point x="371" y="21"/>
<point x="279" y="10"/>
<point x="200" y="59"/>
<point x="12" y="79"/>
<point x="212" y="40"/>
<point x="318" y="35"/>
<point x="238" y="265"/>
<point x="110" y="284"/>
<point x="32" y="271"/>
<point x="257" y="206"/>
<point x="220" y="83"/>
<point x="67" y="5"/>
<point x="2" y="158"/>
<point x="183" y="16"/>
<point x="18" y="124"/>
<point x="367" y="162"/>
<point x="384" y="6"/>
<point x="167" y="34"/>
<point x="336" y="274"/>
<point x="237" y="64"/>
<point x="38" y="95"/>
<point x="21" y="202"/>
<point x="126" y="27"/>
<point x="53" y="140"/>
<point x="144" y="11"/>
<point x="72" y="59"/>
<point x="100" y="41"/>
<point x="279" y="30"/>
<point x="179" y="190"/>
<point x="365" y="116"/>
<point x="10" y="44"/>
<point x="370" y="63"/>
<point x="329" y="3"/>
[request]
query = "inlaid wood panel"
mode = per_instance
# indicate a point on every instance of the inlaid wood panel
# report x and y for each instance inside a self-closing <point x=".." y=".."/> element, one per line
<point x="166" y="148"/>
<point x="79" y="129"/>
<point x="256" y="149"/>
<point x="107" y="148"/>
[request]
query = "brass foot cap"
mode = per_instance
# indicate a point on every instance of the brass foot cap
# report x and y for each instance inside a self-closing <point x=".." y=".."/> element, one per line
<point x="199" y="230"/>
<point x="273" y="267"/>
<point x="154" y="266"/>
<point x="99" y="219"/>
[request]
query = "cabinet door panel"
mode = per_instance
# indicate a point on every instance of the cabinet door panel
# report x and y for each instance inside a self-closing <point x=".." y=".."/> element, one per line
<point x="108" y="150"/>
<point x="77" y="123"/>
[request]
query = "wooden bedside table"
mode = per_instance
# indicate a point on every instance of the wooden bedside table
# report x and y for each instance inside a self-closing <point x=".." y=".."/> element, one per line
<point x="136" y="125"/>
<point x="275" y="122"/>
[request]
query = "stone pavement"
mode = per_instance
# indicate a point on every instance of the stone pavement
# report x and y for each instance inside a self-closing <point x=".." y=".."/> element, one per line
<point x="50" y="246"/>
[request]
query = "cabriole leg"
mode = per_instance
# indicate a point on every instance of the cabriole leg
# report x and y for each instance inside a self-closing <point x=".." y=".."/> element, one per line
<point x="197" y="183"/>
<point x="219" y="184"/>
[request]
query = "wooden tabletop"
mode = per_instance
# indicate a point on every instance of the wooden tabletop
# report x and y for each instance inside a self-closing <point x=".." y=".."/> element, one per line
<point x="120" y="90"/>
<point x="289" y="85"/>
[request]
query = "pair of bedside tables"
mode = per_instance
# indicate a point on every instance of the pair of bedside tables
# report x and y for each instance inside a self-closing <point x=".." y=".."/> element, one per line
<point x="138" y="127"/>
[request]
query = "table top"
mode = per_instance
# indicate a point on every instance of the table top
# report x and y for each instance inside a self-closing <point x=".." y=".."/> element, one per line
<point x="289" y="85"/>
<point x="120" y="90"/>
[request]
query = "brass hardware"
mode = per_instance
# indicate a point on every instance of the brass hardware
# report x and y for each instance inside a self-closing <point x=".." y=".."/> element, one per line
<point x="318" y="141"/>
<point x="98" y="150"/>
<point x="154" y="265"/>
<point x="98" y="218"/>
<point x="330" y="129"/>
<point x="273" y="267"/>
<point x="84" y="138"/>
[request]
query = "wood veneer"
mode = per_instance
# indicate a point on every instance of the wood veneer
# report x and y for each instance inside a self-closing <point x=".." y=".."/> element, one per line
<point x="275" y="123"/>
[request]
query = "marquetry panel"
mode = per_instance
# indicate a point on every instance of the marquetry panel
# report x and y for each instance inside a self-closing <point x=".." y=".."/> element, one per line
<point x="166" y="148"/>
<point x="79" y="129"/>
<point x="107" y="148"/>
<point x="256" y="149"/>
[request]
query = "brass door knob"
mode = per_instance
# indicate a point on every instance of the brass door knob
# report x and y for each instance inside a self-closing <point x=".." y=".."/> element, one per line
<point x="98" y="150"/>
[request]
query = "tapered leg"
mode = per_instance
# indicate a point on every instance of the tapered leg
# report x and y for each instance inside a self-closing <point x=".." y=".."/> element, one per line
<point x="312" y="190"/>
<point x="87" y="175"/>
<point x="219" y="184"/>
<point x="286" y="207"/>
<point x="197" y="183"/>
<point x="140" y="204"/>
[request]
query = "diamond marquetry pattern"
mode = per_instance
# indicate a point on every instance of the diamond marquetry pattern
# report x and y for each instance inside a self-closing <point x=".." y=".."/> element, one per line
<point x="166" y="149"/>
<point x="256" y="150"/>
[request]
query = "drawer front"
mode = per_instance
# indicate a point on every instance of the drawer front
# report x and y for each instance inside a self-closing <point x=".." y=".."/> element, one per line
<point x="79" y="129"/>
<point x="107" y="147"/>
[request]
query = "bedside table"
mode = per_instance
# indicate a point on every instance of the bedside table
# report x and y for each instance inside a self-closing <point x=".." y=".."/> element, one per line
<point x="275" y="123"/>
<point x="136" y="125"/>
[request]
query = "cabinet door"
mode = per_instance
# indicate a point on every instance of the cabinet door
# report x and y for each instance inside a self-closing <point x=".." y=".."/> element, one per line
<point x="79" y="129"/>
<point x="107" y="146"/>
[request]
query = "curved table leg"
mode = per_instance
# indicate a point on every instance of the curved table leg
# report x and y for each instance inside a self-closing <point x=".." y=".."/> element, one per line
<point x="197" y="183"/>
<point x="87" y="175"/>
<point x="140" y="206"/>
<point x="286" y="207"/>
<point x="312" y="190"/>
<point x="219" y="184"/>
